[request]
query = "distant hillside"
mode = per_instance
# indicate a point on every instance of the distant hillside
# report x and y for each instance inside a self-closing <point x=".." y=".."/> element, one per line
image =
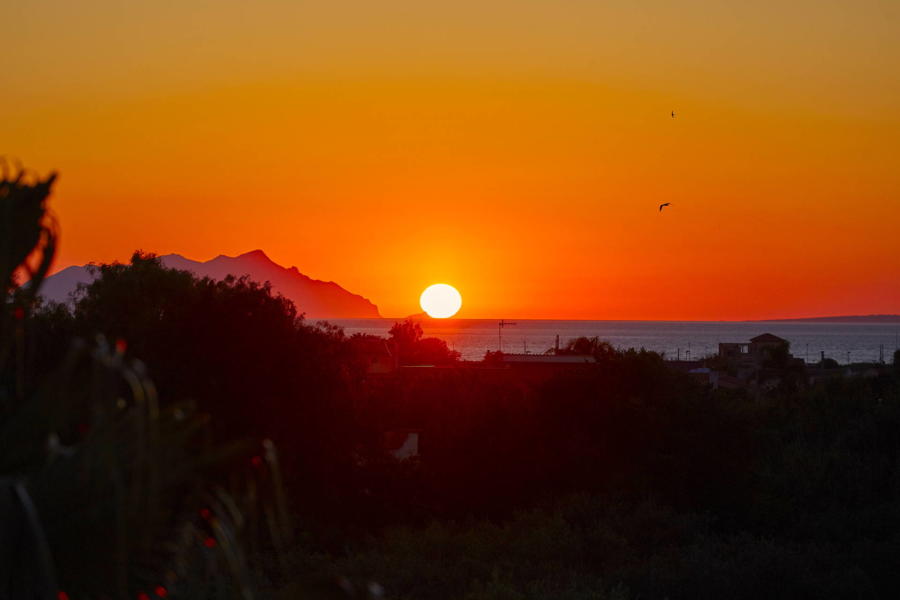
<point x="847" y="319"/>
<point x="317" y="299"/>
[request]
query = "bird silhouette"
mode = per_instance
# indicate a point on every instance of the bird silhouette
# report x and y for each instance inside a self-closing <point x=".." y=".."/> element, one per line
<point x="663" y="205"/>
<point x="673" y="114"/>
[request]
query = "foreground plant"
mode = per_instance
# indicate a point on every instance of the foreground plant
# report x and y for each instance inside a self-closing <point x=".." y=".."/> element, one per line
<point x="104" y="494"/>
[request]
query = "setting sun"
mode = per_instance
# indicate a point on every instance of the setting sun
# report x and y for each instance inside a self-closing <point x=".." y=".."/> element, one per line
<point x="440" y="301"/>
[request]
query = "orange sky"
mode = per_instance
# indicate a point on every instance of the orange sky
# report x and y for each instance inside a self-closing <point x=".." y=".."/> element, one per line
<point x="515" y="149"/>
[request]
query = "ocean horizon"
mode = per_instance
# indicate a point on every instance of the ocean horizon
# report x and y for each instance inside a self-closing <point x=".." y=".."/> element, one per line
<point x="841" y="341"/>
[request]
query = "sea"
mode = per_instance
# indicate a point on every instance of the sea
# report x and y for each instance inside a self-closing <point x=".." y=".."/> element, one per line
<point x="472" y="338"/>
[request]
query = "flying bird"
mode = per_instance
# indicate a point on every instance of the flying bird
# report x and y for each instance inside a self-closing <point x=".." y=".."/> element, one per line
<point x="663" y="205"/>
<point x="673" y="114"/>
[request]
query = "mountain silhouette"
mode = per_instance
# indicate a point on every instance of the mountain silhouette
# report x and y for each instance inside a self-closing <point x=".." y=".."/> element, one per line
<point x="317" y="299"/>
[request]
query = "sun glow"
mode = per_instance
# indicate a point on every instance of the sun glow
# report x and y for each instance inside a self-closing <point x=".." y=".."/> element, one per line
<point x="440" y="301"/>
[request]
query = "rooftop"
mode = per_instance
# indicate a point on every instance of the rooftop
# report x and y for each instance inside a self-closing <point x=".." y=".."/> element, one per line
<point x="768" y="338"/>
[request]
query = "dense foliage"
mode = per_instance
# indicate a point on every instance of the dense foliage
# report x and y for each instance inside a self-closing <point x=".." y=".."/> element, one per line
<point x="787" y="497"/>
<point x="105" y="491"/>
<point x="619" y="479"/>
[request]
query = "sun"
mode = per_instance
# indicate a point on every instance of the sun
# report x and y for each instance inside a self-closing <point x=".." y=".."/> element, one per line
<point x="440" y="301"/>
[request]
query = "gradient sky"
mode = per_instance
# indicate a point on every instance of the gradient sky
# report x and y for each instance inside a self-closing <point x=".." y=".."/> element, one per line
<point x="515" y="149"/>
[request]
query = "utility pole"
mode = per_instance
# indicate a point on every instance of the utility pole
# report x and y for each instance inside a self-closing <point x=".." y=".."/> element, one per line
<point x="500" y="327"/>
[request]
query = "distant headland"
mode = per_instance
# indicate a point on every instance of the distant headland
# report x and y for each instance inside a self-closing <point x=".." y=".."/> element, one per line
<point x="317" y="299"/>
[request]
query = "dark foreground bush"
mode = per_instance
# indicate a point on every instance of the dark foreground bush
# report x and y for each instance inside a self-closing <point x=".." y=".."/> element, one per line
<point x="591" y="547"/>
<point x="105" y="492"/>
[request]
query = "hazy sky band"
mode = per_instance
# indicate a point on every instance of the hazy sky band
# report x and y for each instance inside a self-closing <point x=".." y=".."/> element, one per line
<point x="517" y="150"/>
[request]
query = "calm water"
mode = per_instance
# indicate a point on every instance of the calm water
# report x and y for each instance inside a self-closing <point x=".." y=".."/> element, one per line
<point x="473" y="337"/>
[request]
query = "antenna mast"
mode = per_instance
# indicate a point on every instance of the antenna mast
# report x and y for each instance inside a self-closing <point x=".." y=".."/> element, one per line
<point x="500" y="327"/>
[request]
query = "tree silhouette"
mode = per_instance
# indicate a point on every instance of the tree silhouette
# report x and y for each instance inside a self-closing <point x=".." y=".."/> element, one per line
<point x="234" y="348"/>
<point x="413" y="349"/>
<point x="592" y="346"/>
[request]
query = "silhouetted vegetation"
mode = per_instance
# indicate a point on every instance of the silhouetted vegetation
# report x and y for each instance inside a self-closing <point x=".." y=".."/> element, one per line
<point x="234" y="349"/>
<point x="105" y="490"/>
<point x="413" y="349"/>
<point x="617" y="479"/>
<point x="591" y="346"/>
